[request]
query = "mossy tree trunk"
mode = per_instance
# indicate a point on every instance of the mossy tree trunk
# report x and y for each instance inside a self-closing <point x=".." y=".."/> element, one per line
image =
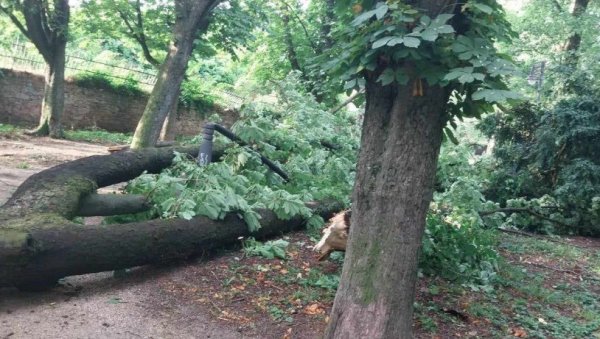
<point x="190" y="17"/>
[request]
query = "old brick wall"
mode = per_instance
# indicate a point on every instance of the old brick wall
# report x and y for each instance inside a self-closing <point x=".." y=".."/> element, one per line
<point x="85" y="108"/>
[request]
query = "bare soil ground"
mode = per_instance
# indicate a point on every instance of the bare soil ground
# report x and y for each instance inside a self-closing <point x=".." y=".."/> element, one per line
<point x="547" y="288"/>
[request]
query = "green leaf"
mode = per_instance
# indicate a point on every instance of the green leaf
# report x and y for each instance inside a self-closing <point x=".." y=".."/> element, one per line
<point x="495" y="95"/>
<point x="387" y="77"/>
<point x="380" y="11"/>
<point x="484" y="8"/>
<point x="429" y="34"/>
<point x="463" y="74"/>
<point x="442" y="19"/>
<point x="350" y="84"/>
<point x="450" y="135"/>
<point x="362" y="18"/>
<point x="395" y="41"/>
<point x="445" y="29"/>
<point x="187" y="215"/>
<point x="251" y="219"/>
<point x="411" y="42"/>
<point x="381" y="42"/>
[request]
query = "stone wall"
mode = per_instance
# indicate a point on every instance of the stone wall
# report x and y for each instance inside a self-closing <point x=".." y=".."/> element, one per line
<point x="86" y="108"/>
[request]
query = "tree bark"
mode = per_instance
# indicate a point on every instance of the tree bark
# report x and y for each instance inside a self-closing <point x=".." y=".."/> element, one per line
<point x="169" y="128"/>
<point x="190" y="16"/>
<point x="112" y="204"/>
<point x="401" y="138"/>
<point x="41" y="248"/>
<point x="54" y="97"/>
<point x="291" y="49"/>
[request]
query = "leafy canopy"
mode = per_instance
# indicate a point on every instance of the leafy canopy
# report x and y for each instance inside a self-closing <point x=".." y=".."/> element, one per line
<point x="455" y="50"/>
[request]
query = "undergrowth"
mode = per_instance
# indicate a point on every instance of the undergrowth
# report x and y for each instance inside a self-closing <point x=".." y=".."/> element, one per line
<point x="98" y="136"/>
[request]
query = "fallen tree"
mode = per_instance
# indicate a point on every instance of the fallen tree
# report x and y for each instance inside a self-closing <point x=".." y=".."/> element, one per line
<point x="39" y="243"/>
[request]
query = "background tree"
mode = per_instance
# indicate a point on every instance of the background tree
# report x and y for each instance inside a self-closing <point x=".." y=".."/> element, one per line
<point x="422" y="64"/>
<point x="568" y="45"/>
<point x="290" y="40"/>
<point x="189" y="17"/>
<point x="47" y="27"/>
<point x="143" y="25"/>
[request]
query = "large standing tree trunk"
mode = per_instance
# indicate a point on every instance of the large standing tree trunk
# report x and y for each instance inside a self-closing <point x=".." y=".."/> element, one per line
<point x="190" y="16"/>
<point x="54" y="96"/>
<point x="47" y="27"/>
<point x="400" y="144"/>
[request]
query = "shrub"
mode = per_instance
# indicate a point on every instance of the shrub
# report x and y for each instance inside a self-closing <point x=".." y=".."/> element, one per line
<point x="126" y="86"/>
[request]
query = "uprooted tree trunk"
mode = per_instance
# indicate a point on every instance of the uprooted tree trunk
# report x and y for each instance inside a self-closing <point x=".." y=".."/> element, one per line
<point x="39" y="244"/>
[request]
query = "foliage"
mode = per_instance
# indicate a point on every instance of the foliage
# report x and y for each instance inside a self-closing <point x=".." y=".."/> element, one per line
<point x="454" y="50"/>
<point x="6" y="129"/>
<point x="540" y="41"/>
<point x="101" y="80"/>
<point x="289" y="134"/>
<point x="290" y="39"/>
<point x="550" y="156"/>
<point x="269" y="249"/>
<point x="458" y="244"/>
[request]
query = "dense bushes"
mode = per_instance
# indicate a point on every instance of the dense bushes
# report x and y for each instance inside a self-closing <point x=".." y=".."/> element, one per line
<point x="549" y="154"/>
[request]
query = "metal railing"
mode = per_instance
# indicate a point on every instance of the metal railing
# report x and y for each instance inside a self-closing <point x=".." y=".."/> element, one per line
<point x="20" y="56"/>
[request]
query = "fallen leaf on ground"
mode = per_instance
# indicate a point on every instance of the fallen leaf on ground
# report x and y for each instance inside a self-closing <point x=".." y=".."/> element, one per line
<point x="519" y="332"/>
<point x="314" y="309"/>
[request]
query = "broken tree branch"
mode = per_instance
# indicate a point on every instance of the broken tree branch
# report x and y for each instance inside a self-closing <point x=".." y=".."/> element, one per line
<point x="524" y="210"/>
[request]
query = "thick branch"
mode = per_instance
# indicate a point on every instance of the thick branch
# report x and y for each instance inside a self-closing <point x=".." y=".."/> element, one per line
<point x="37" y="250"/>
<point x="348" y="101"/>
<point x="59" y="189"/>
<point x="112" y="204"/>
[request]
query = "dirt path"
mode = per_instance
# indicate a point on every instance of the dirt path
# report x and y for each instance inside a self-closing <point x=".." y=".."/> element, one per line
<point x="93" y="305"/>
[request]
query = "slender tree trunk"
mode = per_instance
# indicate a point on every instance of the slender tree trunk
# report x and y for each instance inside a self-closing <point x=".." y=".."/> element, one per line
<point x="328" y="19"/>
<point x="54" y="97"/>
<point x="573" y="44"/>
<point x="190" y="16"/>
<point x="400" y="144"/>
<point x="291" y="49"/>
